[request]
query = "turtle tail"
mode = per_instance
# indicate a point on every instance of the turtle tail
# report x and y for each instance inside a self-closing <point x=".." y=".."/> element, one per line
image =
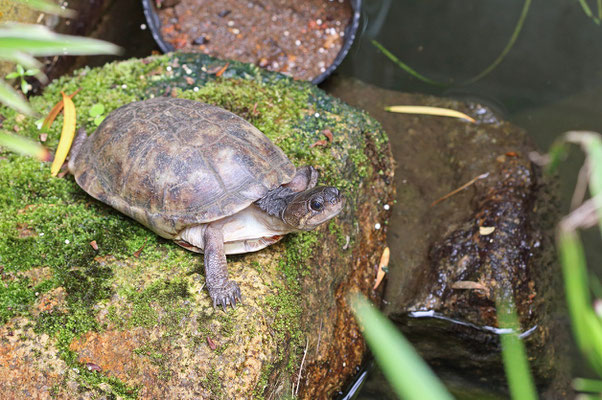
<point x="75" y="148"/>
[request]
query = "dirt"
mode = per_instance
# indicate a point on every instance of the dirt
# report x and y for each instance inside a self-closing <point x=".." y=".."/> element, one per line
<point x="296" y="38"/>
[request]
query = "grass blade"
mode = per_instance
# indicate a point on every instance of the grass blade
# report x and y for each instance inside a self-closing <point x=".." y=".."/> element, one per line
<point x="24" y="146"/>
<point x="509" y="45"/>
<point x="11" y="98"/>
<point x="40" y="41"/>
<point x="587" y="385"/>
<point x="516" y="365"/>
<point x="407" y="373"/>
<point x="404" y="66"/>
<point x="48" y="7"/>
<point x="585" y="323"/>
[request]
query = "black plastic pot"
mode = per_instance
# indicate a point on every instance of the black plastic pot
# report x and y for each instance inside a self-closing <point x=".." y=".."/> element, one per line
<point x="154" y="24"/>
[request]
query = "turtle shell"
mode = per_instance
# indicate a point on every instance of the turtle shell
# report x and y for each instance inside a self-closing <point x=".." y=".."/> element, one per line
<point x="172" y="163"/>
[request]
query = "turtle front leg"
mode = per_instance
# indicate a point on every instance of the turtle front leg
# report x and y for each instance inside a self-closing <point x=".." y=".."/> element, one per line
<point x="221" y="290"/>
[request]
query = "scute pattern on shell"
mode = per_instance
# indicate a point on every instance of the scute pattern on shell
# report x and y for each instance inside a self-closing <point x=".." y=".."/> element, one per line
<point x="170" y="163"/>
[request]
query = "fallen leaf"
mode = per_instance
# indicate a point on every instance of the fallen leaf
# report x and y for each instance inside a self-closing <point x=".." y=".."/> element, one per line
<point x="93" y="367"/>
<point x="66" y="135"/>
<point x="512" y="154"/>
<point x="425" y="110"/>
<point x="55" y="111"/>
<point x="139" y="251"/>
<point x="94" y="245"/>
<point x="486" y="230"/>
<point x="384" y="262"/>
<point x="189" y="80"/>
<point x="320" y="142"/>
<point x="328" y="134"/>
<point x="211" y="343"/>
<point x="221" y="71"/>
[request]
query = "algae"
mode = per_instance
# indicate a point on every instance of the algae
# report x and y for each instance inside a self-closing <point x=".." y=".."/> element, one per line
<point x="49" y="222"/>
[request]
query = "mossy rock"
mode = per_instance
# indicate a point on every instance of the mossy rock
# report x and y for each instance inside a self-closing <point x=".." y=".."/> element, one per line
<point x="132" y="318"/>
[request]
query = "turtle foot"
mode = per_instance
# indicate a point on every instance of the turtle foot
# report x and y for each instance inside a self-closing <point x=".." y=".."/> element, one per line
<point x="225" y="295"/>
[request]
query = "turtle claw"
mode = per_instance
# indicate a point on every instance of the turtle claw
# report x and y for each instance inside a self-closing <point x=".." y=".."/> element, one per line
<point x="225" y="295"/>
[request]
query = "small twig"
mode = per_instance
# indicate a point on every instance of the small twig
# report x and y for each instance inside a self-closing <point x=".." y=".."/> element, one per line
<point x="473" y="180"/>
<point x="319" y="338"/>
<point x="581" y="186"/>
<point x="301" y="367"/>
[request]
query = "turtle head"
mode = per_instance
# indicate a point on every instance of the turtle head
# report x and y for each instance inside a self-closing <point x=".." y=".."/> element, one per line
<point x="310" y="208"/>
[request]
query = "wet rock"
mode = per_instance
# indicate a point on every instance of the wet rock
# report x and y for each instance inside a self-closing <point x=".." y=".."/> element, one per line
<point x="452" y="258"/>
<point x="126" y="322"/>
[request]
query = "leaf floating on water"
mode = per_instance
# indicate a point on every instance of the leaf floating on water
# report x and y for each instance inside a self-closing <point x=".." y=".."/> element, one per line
<point x="425" y="110"/>
<point x="486" y="230"/>
<point x="382" y="266"/>
<point x="66" y="135"/>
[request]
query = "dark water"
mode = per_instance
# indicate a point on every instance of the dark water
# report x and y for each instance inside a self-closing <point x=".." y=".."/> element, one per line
<point x="548" y="83"/>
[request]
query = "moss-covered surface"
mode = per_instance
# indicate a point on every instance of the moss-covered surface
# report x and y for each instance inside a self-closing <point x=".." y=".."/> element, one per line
<point x="132" y="318"/>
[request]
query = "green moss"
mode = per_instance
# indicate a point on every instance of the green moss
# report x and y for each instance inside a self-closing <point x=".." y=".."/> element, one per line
<point x="213" y="383"/>
<point x="159" y="296"/>
<point x="15" y="298"/>
<point x="49" y="222"/>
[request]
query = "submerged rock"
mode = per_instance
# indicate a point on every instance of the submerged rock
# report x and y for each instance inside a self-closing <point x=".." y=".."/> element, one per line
<point x="106" y="308"/>
<point x="451" y="258"/>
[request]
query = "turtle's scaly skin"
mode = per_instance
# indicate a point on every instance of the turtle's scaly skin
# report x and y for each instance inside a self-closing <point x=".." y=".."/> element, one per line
<point x="173" y="163"/>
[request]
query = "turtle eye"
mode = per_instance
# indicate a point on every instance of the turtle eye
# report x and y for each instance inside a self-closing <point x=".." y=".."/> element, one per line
<point x="316" y="205"/>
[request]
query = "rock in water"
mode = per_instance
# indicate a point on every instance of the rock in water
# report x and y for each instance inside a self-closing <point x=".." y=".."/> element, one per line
<point x="452" y="259"/>
<point x="130" y="318"/>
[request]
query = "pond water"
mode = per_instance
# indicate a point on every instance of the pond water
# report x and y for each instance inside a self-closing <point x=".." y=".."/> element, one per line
<point x="549" y="82"/>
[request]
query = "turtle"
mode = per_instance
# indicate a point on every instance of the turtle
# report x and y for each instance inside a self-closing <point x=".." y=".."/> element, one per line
<point x="203" y="177"/>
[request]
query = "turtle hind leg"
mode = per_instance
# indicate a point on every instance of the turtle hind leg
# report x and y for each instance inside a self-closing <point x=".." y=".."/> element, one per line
<point x="75" y="148"/>
<point x="223" y="291"/>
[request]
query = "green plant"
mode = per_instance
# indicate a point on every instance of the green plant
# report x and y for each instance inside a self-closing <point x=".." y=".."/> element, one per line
<point x="586" y="319"/>
<point x="21" y="73"/>
<point x="96" y="113"/>
<point x="20" y="43"/>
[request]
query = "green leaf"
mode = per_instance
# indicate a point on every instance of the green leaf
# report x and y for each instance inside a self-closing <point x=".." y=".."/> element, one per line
<point x="11" y="98"/>
<point x="585" y="323"/>
<point x="96" y="110"/>
<point x="20" y="69"/>
<point x="98" y="120"/>
<point x="19" y="57"/>
<point x="407" y="373"/>
<point x="24" y="146"/>
<point x="587" y="385"/>
<point x="40" y="41"/>
<point x="12" y="75"/>
<point x="48" y="7"/>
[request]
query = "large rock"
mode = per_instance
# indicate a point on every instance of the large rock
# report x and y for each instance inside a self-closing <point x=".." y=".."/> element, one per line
<point x="451" y="260"/>
<point x="132" y="319"/>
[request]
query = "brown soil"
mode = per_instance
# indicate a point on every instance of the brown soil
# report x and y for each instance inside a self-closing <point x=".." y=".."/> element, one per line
<point x="297" y="38"/>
